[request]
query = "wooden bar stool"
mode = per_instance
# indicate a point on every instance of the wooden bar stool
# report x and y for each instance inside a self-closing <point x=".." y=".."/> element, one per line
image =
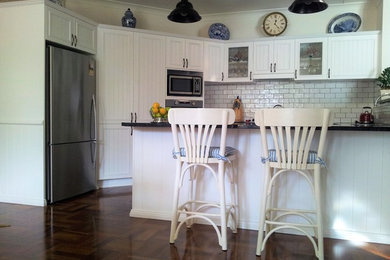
<point x="194" y="134"/>
<point x="292" y="149"/>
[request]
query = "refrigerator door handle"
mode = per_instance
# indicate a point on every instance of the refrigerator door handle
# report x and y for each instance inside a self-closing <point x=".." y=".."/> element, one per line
<point x="93" y="152"/>
<point x="93" y="135"/>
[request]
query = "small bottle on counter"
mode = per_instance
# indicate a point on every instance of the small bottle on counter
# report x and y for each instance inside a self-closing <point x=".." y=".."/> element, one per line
<point x="238" y="110"/>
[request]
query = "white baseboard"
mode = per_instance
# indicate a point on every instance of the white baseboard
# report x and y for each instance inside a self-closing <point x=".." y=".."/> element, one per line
<point x="115" y="183"/>
<point x="23" y="201"/>
<point x="139" y="213"/>
<point x="358" y="237"/>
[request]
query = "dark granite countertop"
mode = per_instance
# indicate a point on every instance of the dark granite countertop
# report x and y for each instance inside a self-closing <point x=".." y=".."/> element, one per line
<point x="341" y="127"/>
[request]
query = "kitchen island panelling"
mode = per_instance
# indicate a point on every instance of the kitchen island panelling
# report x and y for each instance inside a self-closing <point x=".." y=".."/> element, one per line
<point x="355" y="182"/>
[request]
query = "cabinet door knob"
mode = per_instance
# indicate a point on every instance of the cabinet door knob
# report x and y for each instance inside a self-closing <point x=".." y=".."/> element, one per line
<point x="223" y="76"/>
<point x="296" y="73"/>
<point x="75" y="40"/>
<point x="135" y="117"/>
<point x="184" y="63"/>
<point x="131" y="131"/>
<point x="250" y="75"/>
<point x="270" y="67"/>
<point x="131" y="117"/>
<point x="72" y="39"/>
<point x="274" y="67"/>
<point x="329" y="73"/>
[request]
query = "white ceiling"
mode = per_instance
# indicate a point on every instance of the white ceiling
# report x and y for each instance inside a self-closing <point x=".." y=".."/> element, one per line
<point x="224" y="6"/>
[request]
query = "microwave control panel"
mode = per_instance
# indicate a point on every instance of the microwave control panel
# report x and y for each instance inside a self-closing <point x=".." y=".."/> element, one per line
<point x="197" y="90"/>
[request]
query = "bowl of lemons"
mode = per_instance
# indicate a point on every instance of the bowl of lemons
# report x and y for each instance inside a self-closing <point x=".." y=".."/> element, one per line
<point x="158" y="113"/>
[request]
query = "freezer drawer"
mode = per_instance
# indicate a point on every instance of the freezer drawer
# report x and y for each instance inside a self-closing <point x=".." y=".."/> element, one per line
<point x="71" y="170"/>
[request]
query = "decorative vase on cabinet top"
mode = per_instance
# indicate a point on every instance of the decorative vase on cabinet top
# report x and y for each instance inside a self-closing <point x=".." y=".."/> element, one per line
<point x="128" y="20"/>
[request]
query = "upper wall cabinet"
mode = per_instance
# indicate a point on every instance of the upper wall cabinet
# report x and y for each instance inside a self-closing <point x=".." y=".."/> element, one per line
<point x="273" y="59"/>
<point x="353" y="56"/>
<point x="69" y="30"/>
<point x="311" y="58"/>
<point x="213" y="61"/>
<point x="184" y="54"/>
<point x="238" y="62"/>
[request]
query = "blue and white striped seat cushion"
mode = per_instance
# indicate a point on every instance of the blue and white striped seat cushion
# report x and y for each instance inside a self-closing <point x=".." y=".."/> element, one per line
<point x="214" y="151"/>
<point x="311" y="158"/>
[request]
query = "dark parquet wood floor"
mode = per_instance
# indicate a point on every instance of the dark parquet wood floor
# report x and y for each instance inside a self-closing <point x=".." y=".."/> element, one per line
<point x="97" y="226"/>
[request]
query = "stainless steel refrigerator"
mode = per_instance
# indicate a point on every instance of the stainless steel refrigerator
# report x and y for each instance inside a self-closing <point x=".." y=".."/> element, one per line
<point x="70" y="124"/>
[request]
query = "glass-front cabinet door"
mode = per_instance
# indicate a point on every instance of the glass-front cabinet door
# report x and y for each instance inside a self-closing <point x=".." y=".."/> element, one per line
<point x="238" y="62"/>
<point x="311" y="59"/>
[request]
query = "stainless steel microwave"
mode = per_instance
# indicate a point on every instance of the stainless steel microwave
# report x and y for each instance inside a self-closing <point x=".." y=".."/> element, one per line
<point x="184" y="83"/>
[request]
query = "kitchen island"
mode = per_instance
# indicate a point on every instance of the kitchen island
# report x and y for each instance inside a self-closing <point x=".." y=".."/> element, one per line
<point x="355" y="183"/>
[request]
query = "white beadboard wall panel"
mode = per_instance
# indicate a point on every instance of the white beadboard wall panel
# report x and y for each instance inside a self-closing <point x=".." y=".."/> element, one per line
<point x="385" y="184"/>
<point x="115" y="152"/>
<point x="22" y="164"/>
<point x="346" y="98"/>
<point x="153" y="170"/>
<point x="354" y="184"/>
<point x="116" y="74"/>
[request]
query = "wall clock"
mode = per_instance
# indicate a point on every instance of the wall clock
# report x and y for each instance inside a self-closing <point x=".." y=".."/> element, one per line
<point x="274" y="23"/>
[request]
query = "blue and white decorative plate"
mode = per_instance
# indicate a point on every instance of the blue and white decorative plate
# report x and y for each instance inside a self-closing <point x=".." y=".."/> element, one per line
<point x="347" y="22"/>
<point x="219" y="31"/>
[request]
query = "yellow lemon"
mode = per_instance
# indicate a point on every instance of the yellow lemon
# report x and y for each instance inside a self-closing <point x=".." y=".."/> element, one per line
<point x="156" y="105"/>
<point x="162" y="111"/>
<point x="155" y="110"/>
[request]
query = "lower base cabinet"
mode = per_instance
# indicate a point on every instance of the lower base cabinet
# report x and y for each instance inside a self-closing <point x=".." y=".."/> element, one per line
<point x="115" y="152"/>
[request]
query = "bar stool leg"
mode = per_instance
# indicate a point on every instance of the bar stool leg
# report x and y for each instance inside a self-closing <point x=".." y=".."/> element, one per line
<point x="221" y="188"/>
<point x="263" y="208"/>
<point x="174" y="221"/>
<point x="317" y="188"/>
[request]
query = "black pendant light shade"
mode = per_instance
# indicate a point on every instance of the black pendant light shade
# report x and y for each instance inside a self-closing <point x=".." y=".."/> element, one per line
<point x="307" y="6"/>
<point x="184" y="13"/>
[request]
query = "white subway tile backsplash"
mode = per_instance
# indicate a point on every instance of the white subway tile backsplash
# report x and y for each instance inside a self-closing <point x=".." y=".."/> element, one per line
<point x="345" y="98"/>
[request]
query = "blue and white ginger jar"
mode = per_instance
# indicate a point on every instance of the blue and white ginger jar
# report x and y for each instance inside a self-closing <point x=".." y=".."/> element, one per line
<point x="128" y="20"/>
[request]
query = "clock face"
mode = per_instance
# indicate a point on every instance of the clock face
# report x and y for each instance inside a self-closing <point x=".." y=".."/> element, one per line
<point x="274" y="24"/>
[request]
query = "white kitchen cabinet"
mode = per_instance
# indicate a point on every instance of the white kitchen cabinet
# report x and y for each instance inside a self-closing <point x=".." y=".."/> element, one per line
<point x="184" y="54"/>
<point x="70" y="30"/>
<point x="273" y="59"/>
<point x="115" y="91"/>
<point x="238" y="62"/>
<point x="115" y="64"/>
<point x="311" y="58"/>
<point x="213" y="62"/>
<point x="353" y="56"/>
<point x="115" y="152"/>
<point x="149" y="74"/>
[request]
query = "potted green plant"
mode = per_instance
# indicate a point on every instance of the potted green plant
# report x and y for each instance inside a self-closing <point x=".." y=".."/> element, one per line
<point x="384" y="81"/>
